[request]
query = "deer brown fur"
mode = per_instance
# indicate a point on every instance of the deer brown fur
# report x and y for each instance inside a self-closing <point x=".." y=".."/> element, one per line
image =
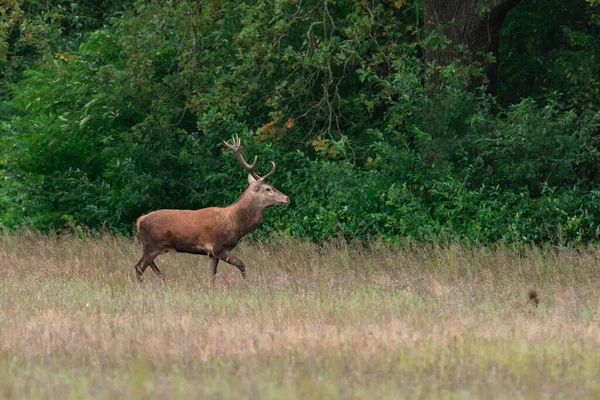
<point x="213" y="231"/>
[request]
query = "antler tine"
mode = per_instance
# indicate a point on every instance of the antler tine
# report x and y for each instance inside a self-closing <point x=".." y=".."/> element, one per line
<point x="269" y="174"/>
<point x="235" y="146"/>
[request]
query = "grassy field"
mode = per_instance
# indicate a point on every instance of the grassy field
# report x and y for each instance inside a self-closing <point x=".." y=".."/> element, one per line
<point x="334" y="321"/>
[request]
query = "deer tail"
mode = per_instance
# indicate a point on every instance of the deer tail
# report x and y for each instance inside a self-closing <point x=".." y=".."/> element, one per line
<point x="139" y="221"/>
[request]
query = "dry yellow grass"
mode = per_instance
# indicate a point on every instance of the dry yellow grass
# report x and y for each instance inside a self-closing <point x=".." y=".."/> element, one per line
<point x="333" y="321"/>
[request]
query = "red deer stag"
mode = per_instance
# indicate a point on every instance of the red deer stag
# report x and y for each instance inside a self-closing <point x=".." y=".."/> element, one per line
<point x="213" y="231"/>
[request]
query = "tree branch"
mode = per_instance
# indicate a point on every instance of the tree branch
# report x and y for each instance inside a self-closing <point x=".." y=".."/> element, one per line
<point x="502" y="8"/>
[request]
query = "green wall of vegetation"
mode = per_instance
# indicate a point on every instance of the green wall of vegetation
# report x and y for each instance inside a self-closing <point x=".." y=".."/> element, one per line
<point x="112" y="109"/>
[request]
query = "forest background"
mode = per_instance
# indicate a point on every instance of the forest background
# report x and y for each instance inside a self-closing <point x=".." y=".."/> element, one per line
<point x="387" y="119"/>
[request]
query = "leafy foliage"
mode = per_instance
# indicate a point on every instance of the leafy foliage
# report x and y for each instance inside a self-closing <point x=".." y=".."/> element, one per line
<point x="127" y="114"/>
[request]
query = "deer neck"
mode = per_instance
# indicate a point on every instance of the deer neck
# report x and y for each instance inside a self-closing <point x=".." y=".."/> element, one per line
<point x="246" y="214"/>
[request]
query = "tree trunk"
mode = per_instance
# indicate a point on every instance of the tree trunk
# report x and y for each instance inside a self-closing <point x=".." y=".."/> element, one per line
<point x="470" y="24"/>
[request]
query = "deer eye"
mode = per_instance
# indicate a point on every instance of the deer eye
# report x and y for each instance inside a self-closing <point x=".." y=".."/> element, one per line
<point x="268" y="189"/>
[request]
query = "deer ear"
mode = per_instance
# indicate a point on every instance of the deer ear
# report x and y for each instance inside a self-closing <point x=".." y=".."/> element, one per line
<point x="251" y="179"/>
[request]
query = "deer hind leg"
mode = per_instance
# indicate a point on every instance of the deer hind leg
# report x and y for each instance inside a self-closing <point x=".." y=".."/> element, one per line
<point x="140" y="267"/>
<point x="155" y="268"/>
<point x="231" y="259"/>
<point x="150" y="253"/>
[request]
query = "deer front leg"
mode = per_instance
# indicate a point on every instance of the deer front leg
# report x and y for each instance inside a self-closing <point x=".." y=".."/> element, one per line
<point x="233" y="260"/>
<point x="212" y="263"/>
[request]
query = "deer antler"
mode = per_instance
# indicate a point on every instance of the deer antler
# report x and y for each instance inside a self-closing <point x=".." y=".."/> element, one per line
<point x="235" y="147"/>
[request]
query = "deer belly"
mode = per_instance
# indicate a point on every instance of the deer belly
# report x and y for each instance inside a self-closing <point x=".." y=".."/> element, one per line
<point x="187" y="249"/>
<point x="184" y="246"/>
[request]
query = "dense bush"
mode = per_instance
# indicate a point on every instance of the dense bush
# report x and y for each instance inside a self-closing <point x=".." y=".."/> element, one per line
<point x="337" y="94"/>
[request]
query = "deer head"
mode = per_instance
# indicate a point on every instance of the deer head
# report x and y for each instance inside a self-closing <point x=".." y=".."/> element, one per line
<point x="262" y="194"/>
